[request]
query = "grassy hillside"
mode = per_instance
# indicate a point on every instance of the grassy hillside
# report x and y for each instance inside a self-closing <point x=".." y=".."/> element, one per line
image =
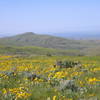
<point x="30" y="43"/>
<point x="30" y="39"/>
<point x="32" y="50"/>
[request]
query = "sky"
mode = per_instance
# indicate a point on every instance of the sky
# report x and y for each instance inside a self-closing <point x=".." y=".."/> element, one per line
<point x="49" y="16"/>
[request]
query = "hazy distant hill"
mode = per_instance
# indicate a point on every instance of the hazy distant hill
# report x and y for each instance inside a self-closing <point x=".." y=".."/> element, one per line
<point x="47" y="41"/>
<point x="2" y="35"/>
<point x="29" y="42"/>
<point x="80" y="35"/>
<point x="69" y="35"/>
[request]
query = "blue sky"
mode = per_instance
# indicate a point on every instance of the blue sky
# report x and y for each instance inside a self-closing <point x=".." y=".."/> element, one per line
<point x="49" y="16"/>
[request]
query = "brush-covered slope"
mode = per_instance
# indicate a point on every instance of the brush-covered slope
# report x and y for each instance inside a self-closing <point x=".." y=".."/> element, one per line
<point x="47" y="41"/>
<point x="31" y="43"/>
<point x="32" y="50"/>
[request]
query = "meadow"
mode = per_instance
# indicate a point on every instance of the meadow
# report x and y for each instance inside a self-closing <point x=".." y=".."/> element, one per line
<point x="40" y="78"/>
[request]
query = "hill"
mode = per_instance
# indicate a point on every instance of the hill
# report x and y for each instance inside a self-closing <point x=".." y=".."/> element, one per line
<point x="79" y="35"/>
<point x="31" y="39"/>
<point x="30" y="43"/>
<point x="47" y="41"/>
<point x="32" y="50"/>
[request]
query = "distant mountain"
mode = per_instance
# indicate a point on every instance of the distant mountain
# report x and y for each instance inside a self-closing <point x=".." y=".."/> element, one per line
<point x="2" y="35"/>
<point x="80" y="35"/>
<point x="68" y="35"/>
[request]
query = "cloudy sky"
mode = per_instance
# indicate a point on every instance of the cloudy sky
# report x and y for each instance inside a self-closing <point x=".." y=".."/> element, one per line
<point x="49" y="16"/>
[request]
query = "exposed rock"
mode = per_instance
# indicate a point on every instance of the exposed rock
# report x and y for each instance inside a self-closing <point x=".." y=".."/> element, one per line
<point x="68" y="84"/>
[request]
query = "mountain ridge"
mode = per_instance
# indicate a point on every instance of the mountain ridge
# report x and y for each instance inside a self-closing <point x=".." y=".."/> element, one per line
<point x="68" y="35"/>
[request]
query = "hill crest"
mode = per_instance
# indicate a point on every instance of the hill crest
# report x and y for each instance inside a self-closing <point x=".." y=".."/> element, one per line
<point x="47" y="41"/>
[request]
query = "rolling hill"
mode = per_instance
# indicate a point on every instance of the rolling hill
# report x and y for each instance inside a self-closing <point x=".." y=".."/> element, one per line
<point x="29" y="42"/>
<point x="79" y="35"/>
<point x="47" y="41"/>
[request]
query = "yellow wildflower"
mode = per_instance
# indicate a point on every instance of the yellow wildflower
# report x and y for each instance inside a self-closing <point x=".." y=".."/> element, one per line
<point x="54" y="97"/>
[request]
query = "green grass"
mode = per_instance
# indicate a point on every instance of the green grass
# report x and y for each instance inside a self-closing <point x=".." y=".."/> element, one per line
<point x="44" y="90"/>
<point x="32" y="50"/>
<point x="29" y="43"/>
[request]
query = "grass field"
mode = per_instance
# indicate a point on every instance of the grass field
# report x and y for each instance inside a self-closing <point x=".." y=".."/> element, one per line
<point x="37" y="78"/>
<point x="33" y="50"/>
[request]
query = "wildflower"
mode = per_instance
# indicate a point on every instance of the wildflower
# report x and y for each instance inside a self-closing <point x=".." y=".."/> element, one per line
<point x="96" y="69"/>
<point x="4" y="91"/>
<point x="91" y="95"/>
<point x="93" y="80"/>
<point x="23" y="95"/>
<point x="54" y="97"/>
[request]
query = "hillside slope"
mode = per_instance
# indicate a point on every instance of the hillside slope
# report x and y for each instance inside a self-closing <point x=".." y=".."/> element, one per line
<point x="31" y="43"/>
<point x="36" y="51"/>
<point x="47" y="41"/>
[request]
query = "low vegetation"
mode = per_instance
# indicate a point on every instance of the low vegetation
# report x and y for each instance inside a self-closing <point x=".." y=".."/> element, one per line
<point x="30" y="43"/>
<point x="49" y="78"/>
<point x="42" y="67"/>
<point x="32" y="50"/>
